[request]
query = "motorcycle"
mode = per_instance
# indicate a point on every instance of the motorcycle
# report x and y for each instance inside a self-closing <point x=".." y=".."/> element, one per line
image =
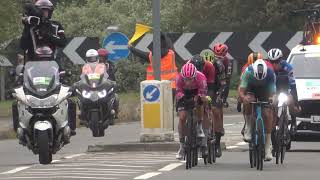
<point x="42" y="109"/>
<point x="97" y="97"/>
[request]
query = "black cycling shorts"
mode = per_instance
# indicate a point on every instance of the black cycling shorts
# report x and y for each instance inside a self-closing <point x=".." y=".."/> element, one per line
<point x="261" y="93"/>
<point x="187" y="101"/>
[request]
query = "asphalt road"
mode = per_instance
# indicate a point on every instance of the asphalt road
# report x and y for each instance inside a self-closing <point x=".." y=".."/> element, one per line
<point x="72" y="162"/>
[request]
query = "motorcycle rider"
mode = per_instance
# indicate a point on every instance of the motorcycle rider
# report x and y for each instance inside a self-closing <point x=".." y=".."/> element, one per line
<point x="39" y="30"/>
<point x="111" y="69"/>
<point x="92" y="56"/>
<point x="44" y="30"/>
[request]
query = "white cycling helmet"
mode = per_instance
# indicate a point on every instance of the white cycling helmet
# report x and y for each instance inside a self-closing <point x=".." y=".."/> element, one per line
<point x="275" y="54"/>
<point x="92" y="56"/>
<point x="260" y="69"/>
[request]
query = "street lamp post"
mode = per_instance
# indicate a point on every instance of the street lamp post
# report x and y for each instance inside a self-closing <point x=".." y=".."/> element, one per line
<point x="156" y="38"/>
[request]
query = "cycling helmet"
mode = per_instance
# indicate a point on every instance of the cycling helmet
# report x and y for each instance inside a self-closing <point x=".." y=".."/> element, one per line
<point x="198" y="62"/>
<point x="188" y="71"/>
<point x="92" y="55"/>
<point x="260" y="69"/>
<point x="220" y="50"/>
<point x="274" y="54"/>
<point x="253" y="57"/>
<point x="207" y="55"/>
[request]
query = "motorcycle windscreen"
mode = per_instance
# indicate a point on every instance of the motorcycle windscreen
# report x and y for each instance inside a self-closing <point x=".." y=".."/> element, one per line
<point x="41" y="77"/>
<point x="306" y="71"/>
<point x="94" y="73"/>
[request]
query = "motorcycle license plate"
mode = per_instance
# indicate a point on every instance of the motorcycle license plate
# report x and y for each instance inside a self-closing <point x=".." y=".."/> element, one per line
<point x="315" y="119"/>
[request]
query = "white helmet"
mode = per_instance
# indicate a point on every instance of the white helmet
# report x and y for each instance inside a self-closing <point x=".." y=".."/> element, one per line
<point x="92" y="55"/>
<point x="275" y="54"/>
<point x="260" y="69"/>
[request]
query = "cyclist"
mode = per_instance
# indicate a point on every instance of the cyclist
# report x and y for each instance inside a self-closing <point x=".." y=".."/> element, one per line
<point x="220" y="52"/>
<point x="191" y="84"/>
<point x="208" y="55"/>
<point x="220" y="88"/>
<point x="281" y="66"/>
<point x="251" y="59"/>
<point x="208" y="70"/>
<point x="258" y="82"/>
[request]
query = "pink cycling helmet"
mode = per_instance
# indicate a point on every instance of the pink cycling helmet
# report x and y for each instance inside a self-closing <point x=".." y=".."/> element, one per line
<point x="188" y="71"/>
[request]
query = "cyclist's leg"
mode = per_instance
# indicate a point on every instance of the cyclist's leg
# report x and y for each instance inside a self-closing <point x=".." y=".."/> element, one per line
<point x="268" y="117"/>
<point x="247" y="114"/>
<point x="200" y="115"/>
<point x="181" y="129"/>
<point x="218" y="122"/>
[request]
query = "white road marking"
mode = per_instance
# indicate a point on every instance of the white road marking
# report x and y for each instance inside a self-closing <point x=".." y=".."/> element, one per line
<point x="74" y="155"/>
<point x="93" y="164"/>
<point x="74" y="173"/>
<point x="16" y="170"/>
<point x="241" y="143"/>
<point x="232" y="116"/>
<point x="148" y="175"/>
<point x="54" y="161"/>
<point x="83" y="171"/>
<point x="59" y="177"/>
<point x="232" y="147"/>
<point x="95" y="169"/>
<point x="170" y="167"/>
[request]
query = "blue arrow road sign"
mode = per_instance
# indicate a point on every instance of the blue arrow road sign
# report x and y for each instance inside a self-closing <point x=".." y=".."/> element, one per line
<point x="151" y="93"/>
<point x="117" y="46"/>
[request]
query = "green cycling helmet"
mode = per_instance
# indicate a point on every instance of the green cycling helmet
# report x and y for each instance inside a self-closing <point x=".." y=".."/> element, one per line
<point x="207" y="55"/>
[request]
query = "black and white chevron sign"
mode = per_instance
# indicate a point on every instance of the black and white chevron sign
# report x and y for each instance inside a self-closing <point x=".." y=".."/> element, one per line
<point x="240" y="43"/>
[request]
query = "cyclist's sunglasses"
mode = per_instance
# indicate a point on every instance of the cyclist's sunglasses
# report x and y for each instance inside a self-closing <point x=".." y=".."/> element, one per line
<point x="188" y="79"/>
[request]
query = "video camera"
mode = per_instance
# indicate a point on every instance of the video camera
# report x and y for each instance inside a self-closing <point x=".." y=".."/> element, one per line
<point x="33" y="16"/>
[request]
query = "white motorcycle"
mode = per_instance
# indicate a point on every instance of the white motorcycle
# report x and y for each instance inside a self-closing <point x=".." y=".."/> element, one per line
<point x="43" y="109"/>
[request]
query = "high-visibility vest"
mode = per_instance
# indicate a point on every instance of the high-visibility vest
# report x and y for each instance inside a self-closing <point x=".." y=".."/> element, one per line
<point x="168" y="68"/>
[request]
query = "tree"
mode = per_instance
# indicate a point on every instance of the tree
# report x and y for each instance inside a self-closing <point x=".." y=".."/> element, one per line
<point x="10" y="21"/>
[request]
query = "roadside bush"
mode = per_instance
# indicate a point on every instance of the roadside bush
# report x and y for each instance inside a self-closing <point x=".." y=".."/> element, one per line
<point x="129" y="75"/>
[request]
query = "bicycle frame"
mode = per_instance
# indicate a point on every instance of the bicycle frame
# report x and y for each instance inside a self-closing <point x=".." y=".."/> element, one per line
<point x="259" y="119"/>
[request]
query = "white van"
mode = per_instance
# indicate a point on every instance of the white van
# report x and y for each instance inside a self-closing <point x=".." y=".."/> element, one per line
<point x="306" y="68"/>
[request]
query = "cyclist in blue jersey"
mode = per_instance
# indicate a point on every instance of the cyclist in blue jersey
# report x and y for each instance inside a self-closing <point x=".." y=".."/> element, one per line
<point x="258" y="82"/>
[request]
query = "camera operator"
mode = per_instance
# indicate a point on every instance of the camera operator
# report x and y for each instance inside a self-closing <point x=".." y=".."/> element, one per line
<point x="39" y="29"/>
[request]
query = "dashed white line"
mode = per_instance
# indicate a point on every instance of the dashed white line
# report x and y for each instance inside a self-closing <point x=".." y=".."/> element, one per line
<point x="73" y="156"/>
<point x="88" y="169"/>
<point x="16" y="170"/>
<point x="232" y="147"/>
<point x="94" y="164"/>
<point x="170" y="167"/>
<point x="148" y="175"/>
<point x="241" y="143"/>
<point x="58" y="177"/>
<point x="54" y="161"/>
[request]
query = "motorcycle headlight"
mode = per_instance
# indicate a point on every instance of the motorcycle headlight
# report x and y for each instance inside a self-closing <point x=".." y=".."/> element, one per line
<point x="86" y="94"/>
<point x="42" y="103"/>
<point x="102" y="93"/>
<point x="282" y="98"/>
